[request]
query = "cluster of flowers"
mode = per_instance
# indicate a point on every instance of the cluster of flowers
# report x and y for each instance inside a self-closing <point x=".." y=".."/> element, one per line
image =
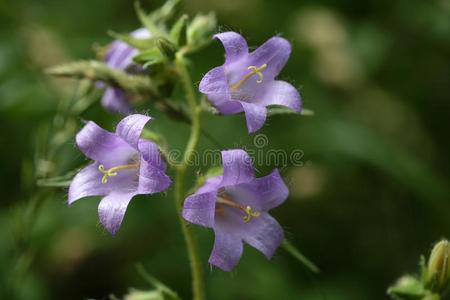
<point x="235" y="204"/>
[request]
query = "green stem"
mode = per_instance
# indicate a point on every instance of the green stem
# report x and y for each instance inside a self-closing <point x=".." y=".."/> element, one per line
<point x="191" y="243"/>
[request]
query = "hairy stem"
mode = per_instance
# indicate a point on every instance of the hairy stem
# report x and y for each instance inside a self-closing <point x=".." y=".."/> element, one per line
<point x="191" y="243"/>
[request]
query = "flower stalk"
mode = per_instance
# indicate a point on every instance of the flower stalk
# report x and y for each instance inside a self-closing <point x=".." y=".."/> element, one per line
<point x="191" y="243"/>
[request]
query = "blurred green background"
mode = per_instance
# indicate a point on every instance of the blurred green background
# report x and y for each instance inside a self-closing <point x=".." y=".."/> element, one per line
<point x="370" y="197"/>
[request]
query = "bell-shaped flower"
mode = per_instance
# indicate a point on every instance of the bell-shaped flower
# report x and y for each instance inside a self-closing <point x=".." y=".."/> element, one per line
<point x="124" y="166"/>
<point x="120" y="56"/>
<point x="235" y="205"/>
<point x="246" y="81"/>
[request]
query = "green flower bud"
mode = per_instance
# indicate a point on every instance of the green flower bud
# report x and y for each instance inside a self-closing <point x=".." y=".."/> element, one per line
<point x="438" y="269"/>
<point x="200" y="30"/>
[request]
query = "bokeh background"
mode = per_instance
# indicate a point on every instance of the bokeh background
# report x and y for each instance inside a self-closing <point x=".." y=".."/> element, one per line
<point x="371" y="196"/>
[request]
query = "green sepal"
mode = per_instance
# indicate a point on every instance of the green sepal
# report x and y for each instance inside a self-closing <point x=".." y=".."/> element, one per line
<point x="178" y="33"/>
<point x="200" y="30"/>
<point x="292" y="250"/>
<point x="408" y="288"/>
<point x="167" y="48"/>
<point x="99" y="71"/>
<point x="150" y="57"/>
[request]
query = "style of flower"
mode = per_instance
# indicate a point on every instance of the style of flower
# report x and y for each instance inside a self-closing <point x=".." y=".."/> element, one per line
<point x="246" y="81"/>
<point x="120" y="56"/>
<point x="235" y="205"/>
<point x="124" y="166"/>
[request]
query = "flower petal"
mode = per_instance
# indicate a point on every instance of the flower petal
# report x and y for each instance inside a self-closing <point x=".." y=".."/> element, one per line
<point x="130" y="128"/>
<point x="263" y="233"/>
<point x="151" y="154"/>
<point x="114" y="100"/>
<point x="200" y="209"/>
<point x="211" y="184"/>
<point x="111" y="210"/>
<point x="237" y="167"/>
<point x="255" y="115"/>
<point x="103" y="146"/>
<point x="87" y="183"/>
<point x="281" y="93"/>
<point x="275" y="53"/>
<point x="235" y="45"/>
<point x="152" y="179"/>
<point x="227" y="250"/>
<point x="215" y="82"/>
<point x="120" y="55"/>
<point x="272" y="191"/>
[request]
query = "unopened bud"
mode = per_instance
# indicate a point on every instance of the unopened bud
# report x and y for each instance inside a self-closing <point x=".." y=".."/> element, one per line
<point x="438" y="269"/>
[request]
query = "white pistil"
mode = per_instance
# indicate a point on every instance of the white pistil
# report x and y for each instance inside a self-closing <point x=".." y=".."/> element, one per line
<point x="113" y="171"/>
<point x="254" y="71"/>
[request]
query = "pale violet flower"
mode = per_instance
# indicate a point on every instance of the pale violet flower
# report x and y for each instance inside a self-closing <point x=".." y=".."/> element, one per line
<point x="124" y="166"/>
<point x="235" y="205"/>
<point x="246" y="81"/>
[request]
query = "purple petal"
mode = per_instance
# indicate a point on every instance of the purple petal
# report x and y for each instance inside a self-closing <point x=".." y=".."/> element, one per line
<point x="235" y="45"/>
<point x="152" y="179"/>
<point x="200" y="209"/>
<point x="263" y="233"/>
<point x="227" y="250"/>
<point x="87" y="183"/>
<point x="103" y="146"/>
<point x="281" y="93"/>
<point x="262" y="194"/>
<point x="212" y="184"/>
<point x="237" y="167"/>
<point x="114" y="100"/>
<point x="215" y="82"/>
<point x="272" y="191"/>
<point x="120" y="55"/>
<point x="151" y="154"/>
<point x="275" y="53"/>
<point x="224" y="104"/>
<point x="111" y="210"/>
<point x="255" y="115"/>
<point x="130" y="128"/>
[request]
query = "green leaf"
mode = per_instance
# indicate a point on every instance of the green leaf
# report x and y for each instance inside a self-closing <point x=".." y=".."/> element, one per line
<point x="178" y="31"/>
<point x="286" y="245"/>
<point x="282" y="110"/>
<point x="147" y="21"/>
<point x="150" y="57"/>
<point x="166" y="11"/>
<point x="58" y="181"/>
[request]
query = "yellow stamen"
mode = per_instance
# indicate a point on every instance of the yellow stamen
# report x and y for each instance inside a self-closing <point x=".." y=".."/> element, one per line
<point x="113" y="171"/>
<point x="254" y="71"/>
<point x="249" y="214"/>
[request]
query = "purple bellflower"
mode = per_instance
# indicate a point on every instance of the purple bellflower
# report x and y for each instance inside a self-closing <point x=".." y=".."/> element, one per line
<point x="246" y="81"/>
<point x="235" y="205"/>
<point x="124" y="166"/>
<point x="120" y="56"/>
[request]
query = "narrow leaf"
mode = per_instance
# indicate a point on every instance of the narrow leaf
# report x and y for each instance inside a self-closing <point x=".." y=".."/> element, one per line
<point x="299" y="256"/>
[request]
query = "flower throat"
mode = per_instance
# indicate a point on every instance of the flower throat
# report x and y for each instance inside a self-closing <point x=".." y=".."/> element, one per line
<point x="225" y="199"/>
